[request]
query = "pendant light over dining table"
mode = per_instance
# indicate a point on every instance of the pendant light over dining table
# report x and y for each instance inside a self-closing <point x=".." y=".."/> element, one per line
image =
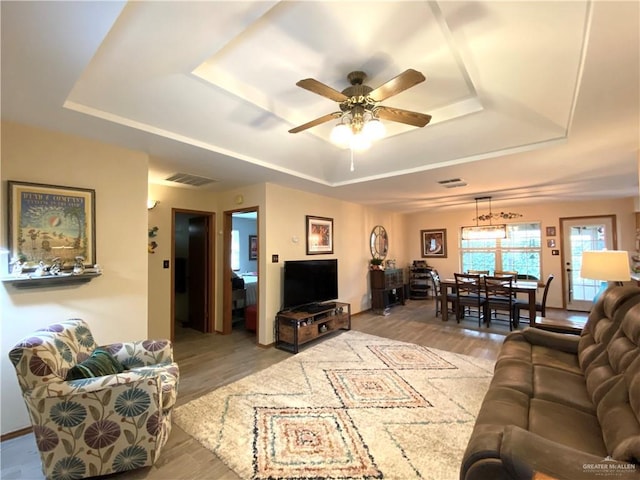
<point x="487" y="232"/>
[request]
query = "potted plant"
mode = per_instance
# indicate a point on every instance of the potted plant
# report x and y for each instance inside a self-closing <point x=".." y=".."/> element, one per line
<point x="376" y="263"/>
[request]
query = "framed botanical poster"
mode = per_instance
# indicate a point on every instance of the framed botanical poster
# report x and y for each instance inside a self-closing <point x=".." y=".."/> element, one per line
<point x="319" y="235"/>
<point x="253" y="247"/>
<point x="434" y="243"/>
<point x="49" y="221"/>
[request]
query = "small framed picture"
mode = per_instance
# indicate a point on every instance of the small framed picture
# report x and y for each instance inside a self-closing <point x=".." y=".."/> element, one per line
<point x="319" y="235"/>
<point x="434" y="243"/>
<point x="551" y="243"/>
<point x="551" y="231"/>
<point x="253" y="247"/>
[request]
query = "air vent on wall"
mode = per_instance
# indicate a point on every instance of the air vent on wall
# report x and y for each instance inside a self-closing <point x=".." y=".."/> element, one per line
<point x="188" y="179"/>
<point x="452" y="183"/>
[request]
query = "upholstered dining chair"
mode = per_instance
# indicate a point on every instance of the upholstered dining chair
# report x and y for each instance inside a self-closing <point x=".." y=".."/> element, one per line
<point x="95" y="410"/>
<point x="541" y="306"/>
<point x="469" y="293"/>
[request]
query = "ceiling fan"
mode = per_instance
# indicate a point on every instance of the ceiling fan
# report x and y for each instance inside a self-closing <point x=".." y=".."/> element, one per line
<point x="359" y="106"/>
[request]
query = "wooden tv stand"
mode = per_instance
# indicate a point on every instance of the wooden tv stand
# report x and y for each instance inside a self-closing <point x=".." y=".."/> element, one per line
<point x="295" y="328"/>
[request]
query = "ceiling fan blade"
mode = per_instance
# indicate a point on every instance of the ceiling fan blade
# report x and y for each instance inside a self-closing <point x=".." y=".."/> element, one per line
<point x="405" y="80"/>
<point x="325" y="118"/>
<point x="403" y="116"/>
<point x="321" y="89"/>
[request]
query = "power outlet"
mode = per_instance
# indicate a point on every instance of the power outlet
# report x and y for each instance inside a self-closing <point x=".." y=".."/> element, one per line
<point x="165" y="264"/>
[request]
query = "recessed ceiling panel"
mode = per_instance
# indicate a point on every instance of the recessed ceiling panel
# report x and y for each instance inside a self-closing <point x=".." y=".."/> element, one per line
<point x="326" y="41"/>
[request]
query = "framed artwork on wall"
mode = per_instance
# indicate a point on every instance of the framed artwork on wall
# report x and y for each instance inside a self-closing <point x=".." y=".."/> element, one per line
<point x="253" y="247"/>
<point x="319" y="235"/>
<point x="551" y="231"/>
<point x="48" y="222"/>
<point x="434" y="243"/>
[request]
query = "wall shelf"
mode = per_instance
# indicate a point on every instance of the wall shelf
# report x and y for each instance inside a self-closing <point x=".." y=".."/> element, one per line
<point x="49" y="280"/>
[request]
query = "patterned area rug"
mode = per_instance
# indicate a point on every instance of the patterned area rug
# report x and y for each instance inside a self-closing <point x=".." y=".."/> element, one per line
<point x="353" y="406"/>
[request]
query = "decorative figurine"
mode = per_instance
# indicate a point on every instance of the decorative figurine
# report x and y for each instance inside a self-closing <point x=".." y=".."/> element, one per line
<point x="78" y="267"/>
<point x="16" y="267"/>
<point x="41" y="269"/>
<point x="56" y="266"/>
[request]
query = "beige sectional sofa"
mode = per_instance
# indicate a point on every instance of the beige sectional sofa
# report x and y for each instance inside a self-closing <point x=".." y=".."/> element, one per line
<point x="563" y="405"/>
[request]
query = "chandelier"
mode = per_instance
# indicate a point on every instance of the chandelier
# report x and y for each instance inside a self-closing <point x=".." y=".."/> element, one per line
<point x="488" y="232"/>
<point x="359" y="127"/>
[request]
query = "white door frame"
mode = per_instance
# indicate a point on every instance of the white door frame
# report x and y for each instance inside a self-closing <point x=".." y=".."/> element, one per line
<point x="577" y="293"/>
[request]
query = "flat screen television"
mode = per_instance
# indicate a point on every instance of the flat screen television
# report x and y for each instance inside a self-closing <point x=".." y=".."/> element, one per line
<point x="309" y="282"/>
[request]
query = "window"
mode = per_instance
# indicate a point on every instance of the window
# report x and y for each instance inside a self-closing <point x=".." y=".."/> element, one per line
<point x="235" y="250"/>
<point x="520" y="251"/>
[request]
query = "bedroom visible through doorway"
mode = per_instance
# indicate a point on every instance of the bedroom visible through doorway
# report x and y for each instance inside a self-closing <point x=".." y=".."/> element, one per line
<point x="243" y="258"/>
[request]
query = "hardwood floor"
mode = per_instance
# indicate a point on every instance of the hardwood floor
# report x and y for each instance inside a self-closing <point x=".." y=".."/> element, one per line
<point x="208" y="361"/>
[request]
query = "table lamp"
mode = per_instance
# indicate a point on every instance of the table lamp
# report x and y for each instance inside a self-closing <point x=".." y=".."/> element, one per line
<point x="606" y="266"/>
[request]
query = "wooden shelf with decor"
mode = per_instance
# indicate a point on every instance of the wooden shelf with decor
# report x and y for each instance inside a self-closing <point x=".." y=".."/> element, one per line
<point x="33" y="281"/>
<point x="295" y="328"/>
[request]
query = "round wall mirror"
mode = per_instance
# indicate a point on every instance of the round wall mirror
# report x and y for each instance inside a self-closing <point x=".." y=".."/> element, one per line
<point x="379" y="242"/>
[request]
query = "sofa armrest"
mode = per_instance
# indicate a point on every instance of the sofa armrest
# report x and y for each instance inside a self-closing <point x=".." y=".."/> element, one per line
<point x="564" y="342"/>
<point x="142" y="352"/>
<point x="523" y="453"/>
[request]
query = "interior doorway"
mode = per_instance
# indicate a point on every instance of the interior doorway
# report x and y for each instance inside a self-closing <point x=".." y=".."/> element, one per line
<point x="579" y="234"/>
<point x="192" y="248"/>
<point x="241" y="270"/>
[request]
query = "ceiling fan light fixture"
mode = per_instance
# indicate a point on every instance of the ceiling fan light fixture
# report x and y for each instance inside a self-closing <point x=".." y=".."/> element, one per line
<point x="360" y="142"/>
<point x="374" y="129"/>
<point x="341" y="135"/>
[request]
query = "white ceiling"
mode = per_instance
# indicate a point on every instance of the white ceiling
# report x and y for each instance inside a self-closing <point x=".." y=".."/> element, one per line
<point x="531" y="101"/>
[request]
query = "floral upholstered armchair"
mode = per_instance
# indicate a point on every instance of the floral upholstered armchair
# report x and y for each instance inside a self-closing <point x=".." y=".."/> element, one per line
<point x="102" y="423"/>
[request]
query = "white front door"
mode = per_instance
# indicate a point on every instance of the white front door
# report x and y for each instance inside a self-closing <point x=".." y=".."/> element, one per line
<point x="579" y="234"/>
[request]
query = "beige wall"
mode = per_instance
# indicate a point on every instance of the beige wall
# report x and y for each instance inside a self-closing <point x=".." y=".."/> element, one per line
<point x="285" y="235"/>
<point x="281" y="225"/>
<point x="546" y="213"/>
<point x="115" y="304"/>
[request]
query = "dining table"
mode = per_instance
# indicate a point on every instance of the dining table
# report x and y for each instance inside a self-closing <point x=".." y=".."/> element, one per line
<point x="529" y="287"/>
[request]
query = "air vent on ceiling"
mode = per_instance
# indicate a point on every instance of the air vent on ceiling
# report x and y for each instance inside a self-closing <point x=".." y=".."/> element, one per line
<point x="188" y="179"/>
<point x="452" y="183"/>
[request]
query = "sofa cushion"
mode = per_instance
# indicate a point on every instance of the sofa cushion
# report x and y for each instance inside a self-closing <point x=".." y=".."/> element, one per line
<point x="567" y="426"/>
<point x="99" y="364"/>
<point x="561" y="387"/>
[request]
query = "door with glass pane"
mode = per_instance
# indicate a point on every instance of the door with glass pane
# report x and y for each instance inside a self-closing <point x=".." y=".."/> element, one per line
<point x="579" y="234"/>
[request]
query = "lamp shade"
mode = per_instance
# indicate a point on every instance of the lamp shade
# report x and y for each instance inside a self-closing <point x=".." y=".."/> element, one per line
<point x="605" y="265"/>
<point x="484" y="232"/>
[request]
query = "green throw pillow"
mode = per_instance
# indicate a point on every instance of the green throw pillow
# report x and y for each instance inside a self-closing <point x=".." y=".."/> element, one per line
<point x="100" y="363"/>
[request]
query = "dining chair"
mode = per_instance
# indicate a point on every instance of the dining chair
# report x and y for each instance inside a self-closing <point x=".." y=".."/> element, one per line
<point x="499" y="294"/>
<point x="541" y="306"/>
<point x="437" y="292"/>
<point x="504" y="273"/>
<point x="469" y="293"/>
<point x="478" y="272"/>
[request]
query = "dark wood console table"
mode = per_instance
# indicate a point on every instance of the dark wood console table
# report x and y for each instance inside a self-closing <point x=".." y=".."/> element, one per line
<point x="387" y="289"/>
